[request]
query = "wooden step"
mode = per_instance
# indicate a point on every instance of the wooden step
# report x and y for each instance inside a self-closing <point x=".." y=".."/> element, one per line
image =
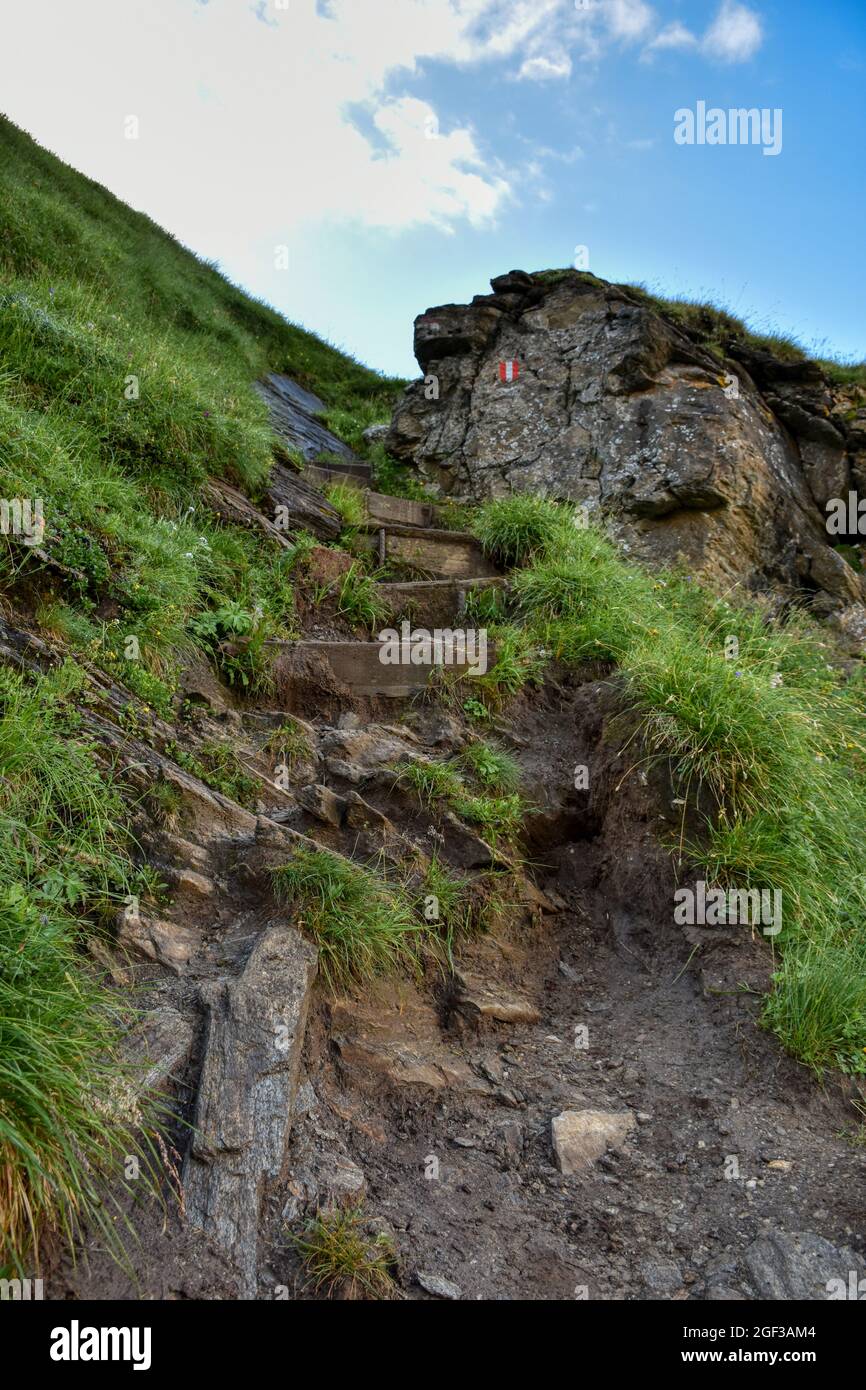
<point x="441" y="554"/>
<point x="433" y="602"/>
<point x="321" y="474"/>
<point x="381" y="506"/>
<point x="357" y="666"/>
<point x="399" y="511"/>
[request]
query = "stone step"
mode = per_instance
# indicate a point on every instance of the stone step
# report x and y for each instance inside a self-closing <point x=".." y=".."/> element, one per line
<point x="435" y="553"/>
<point x="356" y="667"/>
<point x="433" y="602"/>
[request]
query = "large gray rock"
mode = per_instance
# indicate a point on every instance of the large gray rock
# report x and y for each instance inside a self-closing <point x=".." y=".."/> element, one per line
<point x="295" y="418"/>
<point x="727" y="463"/>
<point x="800" y="1265"/>
<point x="247" y="1091"/>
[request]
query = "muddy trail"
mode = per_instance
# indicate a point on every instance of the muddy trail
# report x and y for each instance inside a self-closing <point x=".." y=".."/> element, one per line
<point x="582" y="1103"/>
<point x="433" y="1104"/>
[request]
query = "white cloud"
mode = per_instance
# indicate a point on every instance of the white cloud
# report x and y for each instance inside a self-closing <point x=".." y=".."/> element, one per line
<point x="673" y="35"/>
<point x="546" y="67"/>
<point x="628" y="19"/>
<point x="735" y="35"/>
<point x="257" y="121"/>
<point x="276" y="141"/>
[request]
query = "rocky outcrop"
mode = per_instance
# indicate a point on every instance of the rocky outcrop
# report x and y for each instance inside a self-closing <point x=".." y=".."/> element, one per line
<point x="247" y="1091"/>
<point x="296" y="419"/>
<point x="725" y="462"/>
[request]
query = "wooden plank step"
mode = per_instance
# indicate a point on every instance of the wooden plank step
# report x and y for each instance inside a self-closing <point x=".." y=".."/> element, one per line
<point x="357" y="666"/>
<point x="433" y="602"/>
<point x="381" y="506"/>
<point x="321" y="474"/>
<point x="444" y="554"/>
<point x="399" y="511"/>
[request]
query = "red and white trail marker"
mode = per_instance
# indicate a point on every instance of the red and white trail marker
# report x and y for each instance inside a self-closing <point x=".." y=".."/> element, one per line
<point x="509" y="371"/>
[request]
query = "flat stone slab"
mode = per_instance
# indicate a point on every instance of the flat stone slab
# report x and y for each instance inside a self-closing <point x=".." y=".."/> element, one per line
<point x="580" y="1137"/>
<point x="246" y="1096"/>
<point x="294" y="413"/>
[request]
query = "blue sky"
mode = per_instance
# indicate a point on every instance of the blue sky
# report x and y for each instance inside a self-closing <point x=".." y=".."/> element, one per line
<point x="355" y="161"/>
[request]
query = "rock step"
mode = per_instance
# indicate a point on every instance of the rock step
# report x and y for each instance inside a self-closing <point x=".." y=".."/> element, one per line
<point x="437" y="553"/>
<point x="433" y="602"/>
<point x="356" y="667"/>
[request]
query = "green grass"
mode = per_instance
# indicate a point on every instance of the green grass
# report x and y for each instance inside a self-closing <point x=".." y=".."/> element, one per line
<point x="432" y="781"/>
<point x="217" y="764"/>
<point x="363" y="926"/>
<point x="496" y="816"/>
<point x="515" y="530"/>
<point x="359" y="599"/>
<point x="289" y="743"/>
<point x="776" y="735"/>
<point x="341" y="1257"/>
<point x="494" y="768"/>
<point x="348" y="501"/>
<point x="445" y="902"/>
<point x="65" y="854"/>
<point x="126" y="382"/>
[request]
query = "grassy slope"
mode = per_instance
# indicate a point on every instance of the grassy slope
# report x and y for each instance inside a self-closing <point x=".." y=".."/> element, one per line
<point x="775" y="734"/>
<point x="92" y="294"/>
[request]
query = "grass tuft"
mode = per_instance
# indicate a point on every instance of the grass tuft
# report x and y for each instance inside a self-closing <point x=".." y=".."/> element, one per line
<point x="362" y="926"/>
<point x="64" y="852"/>
<point x="341" y="1257"/>
<point x="514" y="530"/>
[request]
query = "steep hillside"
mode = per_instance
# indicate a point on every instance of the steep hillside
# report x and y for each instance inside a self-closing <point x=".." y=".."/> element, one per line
<point x="344" y="821"/>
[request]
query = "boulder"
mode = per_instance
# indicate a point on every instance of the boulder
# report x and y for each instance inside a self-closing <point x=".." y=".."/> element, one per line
<point x="801" y="1265"/>
<point x="167" y="943"/>
<point x="723" y="463"/>
<point x="249" y="1080"/>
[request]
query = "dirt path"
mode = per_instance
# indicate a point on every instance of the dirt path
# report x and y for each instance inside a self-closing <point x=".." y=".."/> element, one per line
<point x="733" y="1142"/>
